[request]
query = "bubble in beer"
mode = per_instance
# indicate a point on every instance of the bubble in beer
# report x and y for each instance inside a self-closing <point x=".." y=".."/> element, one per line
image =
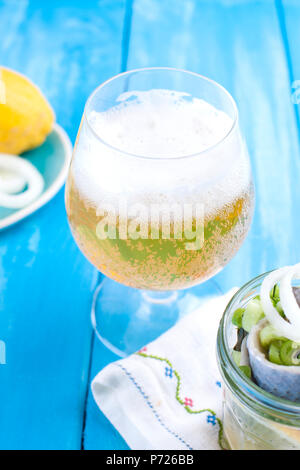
<point x="167" y="149"/>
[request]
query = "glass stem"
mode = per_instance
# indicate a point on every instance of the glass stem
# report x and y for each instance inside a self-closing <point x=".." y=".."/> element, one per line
<point x="160" y="297"/>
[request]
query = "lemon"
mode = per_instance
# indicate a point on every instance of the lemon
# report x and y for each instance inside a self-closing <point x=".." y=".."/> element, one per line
<point x="26" y="118"/>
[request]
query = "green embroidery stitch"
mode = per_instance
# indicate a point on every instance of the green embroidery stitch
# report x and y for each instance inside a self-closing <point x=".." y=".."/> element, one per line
<point x="177" y="395"/>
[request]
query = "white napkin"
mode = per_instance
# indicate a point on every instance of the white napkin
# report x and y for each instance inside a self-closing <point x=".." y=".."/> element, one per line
<point x="168" y="396"/>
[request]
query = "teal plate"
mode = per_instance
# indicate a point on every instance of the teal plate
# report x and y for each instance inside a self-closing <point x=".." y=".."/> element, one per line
<point x="52" y="159"/>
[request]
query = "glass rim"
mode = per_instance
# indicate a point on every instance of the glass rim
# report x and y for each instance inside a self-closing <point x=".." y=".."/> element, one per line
<point x="245" y="385"/>
<point x="158" y="69"/>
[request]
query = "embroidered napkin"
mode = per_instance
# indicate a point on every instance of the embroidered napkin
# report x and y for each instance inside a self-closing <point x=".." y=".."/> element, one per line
<point x="168" y="396"/>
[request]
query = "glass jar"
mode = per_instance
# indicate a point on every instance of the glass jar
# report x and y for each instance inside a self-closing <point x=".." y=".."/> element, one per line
<point x="252" y="418"/>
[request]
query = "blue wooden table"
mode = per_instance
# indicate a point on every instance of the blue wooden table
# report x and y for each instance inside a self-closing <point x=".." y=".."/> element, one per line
<point x="252" y="47"/>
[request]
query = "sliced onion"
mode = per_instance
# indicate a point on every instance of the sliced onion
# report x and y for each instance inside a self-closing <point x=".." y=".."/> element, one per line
<point x="11" y="182"/>
<point x="244" y="360"/>
<point x="31" y="177"/>
<point x="280" y="324"/>
<point x="287" y="298"/>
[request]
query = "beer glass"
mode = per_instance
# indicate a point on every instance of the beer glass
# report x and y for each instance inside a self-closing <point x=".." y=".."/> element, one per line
<point x="159" y="197"/>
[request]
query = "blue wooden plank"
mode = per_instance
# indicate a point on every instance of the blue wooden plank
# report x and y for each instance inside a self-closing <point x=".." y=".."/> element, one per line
<point x="239" y="44"/>
<point x="99" y="433"/>
<point x="289" y="15"/>
<point x="67" y="48"/>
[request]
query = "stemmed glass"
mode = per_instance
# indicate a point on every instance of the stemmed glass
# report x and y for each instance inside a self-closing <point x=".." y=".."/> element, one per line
<point x="159" y="197"/>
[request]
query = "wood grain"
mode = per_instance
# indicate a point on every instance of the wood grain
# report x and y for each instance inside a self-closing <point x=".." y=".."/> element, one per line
<point x="239" y="44"/>
<point x="67" y="48"/>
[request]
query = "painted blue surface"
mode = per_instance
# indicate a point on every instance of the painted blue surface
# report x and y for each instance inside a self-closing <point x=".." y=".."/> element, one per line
<point x="67" y="48"/>
<point x="252" y="48"/>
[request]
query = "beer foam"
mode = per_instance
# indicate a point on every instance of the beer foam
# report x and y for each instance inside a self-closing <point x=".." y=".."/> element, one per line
<point x="161" y="126"/>
<point x="161" y="123"/>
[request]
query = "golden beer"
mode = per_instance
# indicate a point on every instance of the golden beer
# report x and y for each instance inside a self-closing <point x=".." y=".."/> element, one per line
<point x="160" y="264"/>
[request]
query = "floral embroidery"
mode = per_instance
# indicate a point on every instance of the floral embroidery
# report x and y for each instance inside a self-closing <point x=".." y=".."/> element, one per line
<point x="211" y="419"/>
<point x="187" y="402"/>
<point x="155" y="413"/>
<point x="169" y="372"/>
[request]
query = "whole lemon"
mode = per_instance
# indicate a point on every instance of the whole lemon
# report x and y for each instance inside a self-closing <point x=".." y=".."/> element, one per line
<point x="26" y="118"/>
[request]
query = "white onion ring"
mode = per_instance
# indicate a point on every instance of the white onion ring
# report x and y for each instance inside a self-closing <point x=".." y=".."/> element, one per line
<point x="284" y="328"/>
<point x="244" y="360"/>
<point x="287" y="298"/>
<point x="11" y="183"/>
<point x="31" y="177"/>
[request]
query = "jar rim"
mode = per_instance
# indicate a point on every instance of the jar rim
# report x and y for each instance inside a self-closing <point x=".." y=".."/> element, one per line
<point x="246" y="390"/>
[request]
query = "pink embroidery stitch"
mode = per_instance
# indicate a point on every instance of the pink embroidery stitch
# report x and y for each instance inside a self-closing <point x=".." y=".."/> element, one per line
<point x="188" y="402"/>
